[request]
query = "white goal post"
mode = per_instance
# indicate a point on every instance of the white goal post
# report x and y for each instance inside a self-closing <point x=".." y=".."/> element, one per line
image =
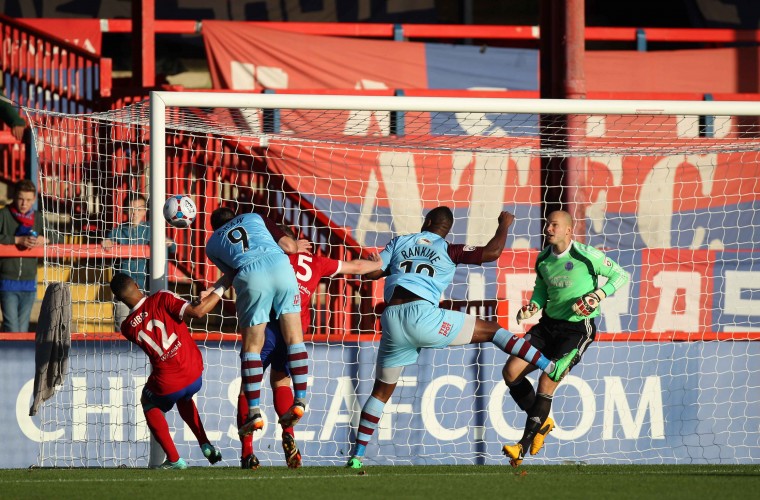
<point x="669" y="189"/>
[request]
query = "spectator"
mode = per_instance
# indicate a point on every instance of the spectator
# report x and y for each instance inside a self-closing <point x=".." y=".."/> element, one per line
<point x="22" y="226"/>
<point x="136" y="231"/>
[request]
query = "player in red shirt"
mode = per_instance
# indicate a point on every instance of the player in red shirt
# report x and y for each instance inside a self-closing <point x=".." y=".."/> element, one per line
<point x="309" y="269"/>
<point x="156" y="324"/>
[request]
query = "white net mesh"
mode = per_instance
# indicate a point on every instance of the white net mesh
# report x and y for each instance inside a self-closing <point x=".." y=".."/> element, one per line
<point x="674" y="200"/>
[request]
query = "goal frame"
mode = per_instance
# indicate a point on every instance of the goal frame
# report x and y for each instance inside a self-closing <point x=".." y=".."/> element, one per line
<point x="161" y="100"/>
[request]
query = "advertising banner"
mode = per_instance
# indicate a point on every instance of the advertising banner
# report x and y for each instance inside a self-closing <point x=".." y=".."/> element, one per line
<point x="632" y="402"/>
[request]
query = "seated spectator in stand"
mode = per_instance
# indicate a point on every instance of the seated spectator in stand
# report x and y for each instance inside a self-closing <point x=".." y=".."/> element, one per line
<point x="22" y="226"/>
<point x="136" y="231"/>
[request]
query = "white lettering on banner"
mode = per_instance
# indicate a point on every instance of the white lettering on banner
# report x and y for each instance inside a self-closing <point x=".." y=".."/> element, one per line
<point x="735" y="282"/>
<point x="479" y="124"/>
<point x="687" y="126"/>
<point x="615" y="306"/>
<point x="496" y="413"/>
<point x="113" y="409"/>
<point x="343" y="396"/>
<point x="596" y="125"/>
<point x="360" y="122"/>
<point x="399" y="174"/>
<point x="247" y="76"/>
<point x="271" y="77"/>
<point x="655" y="206"/>
<point x="487" y="196"/>
<point x="669" y="283"/>
<point x="650" y="402"/>
<point x="587" y="411"/>
<point x="365" y="223"/>
<point x="428" y="408"/>
<point x="476" y="286"/>
<point x="242" y="75"/>
<point x="385" y="426"/>
<point x="596" y="210"/>
<point x="25" y="422"/>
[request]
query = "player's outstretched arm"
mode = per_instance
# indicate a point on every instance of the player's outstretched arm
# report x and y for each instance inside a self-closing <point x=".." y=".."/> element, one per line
<point x="495" y="246"/>
<point x="362" y="266"/>
<point x="209" y="299"/>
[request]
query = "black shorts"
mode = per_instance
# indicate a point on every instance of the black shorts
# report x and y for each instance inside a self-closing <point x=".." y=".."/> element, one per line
<point x="556" y="337"/>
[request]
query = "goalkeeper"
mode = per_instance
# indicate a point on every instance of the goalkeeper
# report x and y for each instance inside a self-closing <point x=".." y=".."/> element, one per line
<point x="567" y="288"/>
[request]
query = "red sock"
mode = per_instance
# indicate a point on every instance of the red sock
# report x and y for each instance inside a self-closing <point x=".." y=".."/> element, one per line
<point x="242" y="416"/>
<point x="283" y="400"/>
<point x="189" y="414"/>
<point x="160" y="429"/>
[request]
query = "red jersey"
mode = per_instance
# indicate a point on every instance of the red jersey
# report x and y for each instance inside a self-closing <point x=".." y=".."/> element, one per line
<point x="155" y="325"/>
<point x="309" y="270"/>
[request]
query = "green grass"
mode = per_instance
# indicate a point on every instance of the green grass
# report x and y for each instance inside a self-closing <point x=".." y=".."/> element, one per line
<point x="431" y="482"/>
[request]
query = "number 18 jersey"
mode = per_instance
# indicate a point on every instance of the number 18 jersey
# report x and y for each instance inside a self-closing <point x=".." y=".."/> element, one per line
<point x="424" y="263"/>
<point x="155" y="325"/>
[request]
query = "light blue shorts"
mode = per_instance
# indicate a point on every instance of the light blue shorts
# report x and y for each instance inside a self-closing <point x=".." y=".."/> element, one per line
<point x="268" y="285"/>
<point x="409" y="327"/>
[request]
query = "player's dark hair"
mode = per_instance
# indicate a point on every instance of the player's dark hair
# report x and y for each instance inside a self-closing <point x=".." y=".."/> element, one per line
<point x="119" y="284"/>
<point x="220" y="217"/>
<point x="440" y="217"/>
<point x="287" y="230"/>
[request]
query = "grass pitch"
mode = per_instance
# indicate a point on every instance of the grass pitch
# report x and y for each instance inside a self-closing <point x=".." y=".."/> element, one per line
<point x="557" y="482"/>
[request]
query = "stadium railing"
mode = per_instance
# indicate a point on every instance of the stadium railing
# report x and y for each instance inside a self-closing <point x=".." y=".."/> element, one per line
<point x="640" y="37"/>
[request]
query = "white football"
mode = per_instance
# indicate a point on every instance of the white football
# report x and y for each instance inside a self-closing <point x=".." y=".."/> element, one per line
<point x="180" y="211"/>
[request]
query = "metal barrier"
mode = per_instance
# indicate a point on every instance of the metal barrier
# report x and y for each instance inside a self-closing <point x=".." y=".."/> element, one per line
<point x="45" y="72"/>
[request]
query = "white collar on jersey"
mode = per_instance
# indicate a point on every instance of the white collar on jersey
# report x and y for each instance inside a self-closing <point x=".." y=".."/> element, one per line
<point x="137" y="306"/>
<point x="558" y="255"/>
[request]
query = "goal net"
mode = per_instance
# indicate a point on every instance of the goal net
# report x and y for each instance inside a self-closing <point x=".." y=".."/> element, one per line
<point x="669" y="190"/>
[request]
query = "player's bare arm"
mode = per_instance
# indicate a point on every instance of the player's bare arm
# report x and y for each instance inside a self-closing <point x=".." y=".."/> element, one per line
<point x="209" y="299"/>
<point x="492" y="250"/>
<point x="362" y="266"/>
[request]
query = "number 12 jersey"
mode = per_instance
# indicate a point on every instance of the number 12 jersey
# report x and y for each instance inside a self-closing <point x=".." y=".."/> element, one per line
<point x="155" y="325"/>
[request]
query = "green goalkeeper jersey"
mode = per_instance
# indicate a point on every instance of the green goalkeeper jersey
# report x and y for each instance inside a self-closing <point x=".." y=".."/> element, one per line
<point x="562" y="279"/>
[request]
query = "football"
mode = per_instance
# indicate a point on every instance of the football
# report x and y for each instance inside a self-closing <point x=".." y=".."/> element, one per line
<point x="180" y="211"/>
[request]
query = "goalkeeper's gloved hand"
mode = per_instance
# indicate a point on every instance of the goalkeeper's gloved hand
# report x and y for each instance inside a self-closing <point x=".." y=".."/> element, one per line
<point x="527" y="311"/>
<point x="588" y="303"/>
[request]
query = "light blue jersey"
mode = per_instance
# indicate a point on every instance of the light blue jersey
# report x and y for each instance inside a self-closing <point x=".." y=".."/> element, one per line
<point x="264" y="279"/>
<point x="420" y="263"/>
<point x="241" y="242"/>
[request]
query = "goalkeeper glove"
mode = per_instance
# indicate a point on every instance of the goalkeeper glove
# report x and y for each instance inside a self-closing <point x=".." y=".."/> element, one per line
<point x="587" y="304"/>
<point x="527" y="311"/>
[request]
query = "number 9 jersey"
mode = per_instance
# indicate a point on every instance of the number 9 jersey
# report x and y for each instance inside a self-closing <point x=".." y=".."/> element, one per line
<point x="155" y="325"/>
<point x="424" y="263"/>
<point x="244" y="240"/>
